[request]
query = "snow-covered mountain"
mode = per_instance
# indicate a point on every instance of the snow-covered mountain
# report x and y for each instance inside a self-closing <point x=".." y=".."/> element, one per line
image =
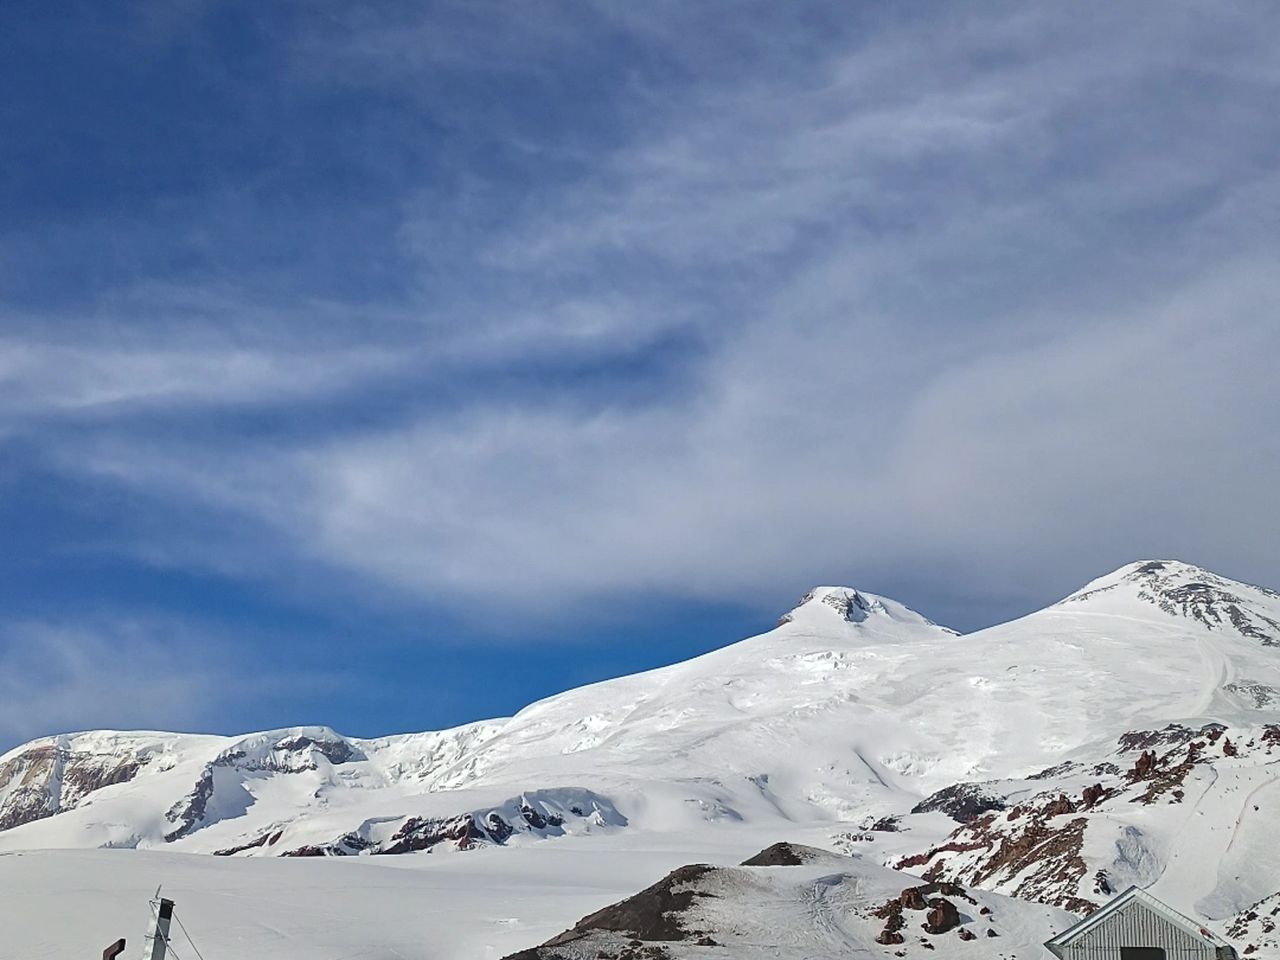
<point x="832" y="728"/>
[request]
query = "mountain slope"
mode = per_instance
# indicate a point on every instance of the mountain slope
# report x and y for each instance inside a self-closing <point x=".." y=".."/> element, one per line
<point x="832" y="727"/>
<point x="853" y="707"/>
<point x="796" y="901"/>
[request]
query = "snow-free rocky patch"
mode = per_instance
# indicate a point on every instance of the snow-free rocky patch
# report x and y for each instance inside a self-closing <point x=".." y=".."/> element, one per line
<point x="795" y="901"/>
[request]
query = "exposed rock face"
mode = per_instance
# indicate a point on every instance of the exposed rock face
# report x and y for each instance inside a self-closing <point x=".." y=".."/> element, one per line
<point x="1034" y="849"/>
<point x="51" y="776"/>
<point x="189" y="812"/>
<point x="828" y="906"/>
<point x="912" y="899"/>
<point x="334" y="749"/>
<point x="1254" y="693"/>
<point x="1046" y="858"/>
<point x="894" y="921"/>
<point x="483" y="827"/>
<point x="536" y="820"/>
<point x="270" y="838"/>
<point x="1145" y="764"/>
<point x="294" y="752"/>
<point x="782" y="855"/>
<point x="653" y="914"/>
<point x="345" y="846"/>
<point x="1183" y="590"/>
<point x="1172" y="735"/>
<point x="943" y="916"/>
<point x="962" y="802"/>
<point x="423" y="834"/>
<point x="850" y="605"/>
<point x="1093" y="795"/>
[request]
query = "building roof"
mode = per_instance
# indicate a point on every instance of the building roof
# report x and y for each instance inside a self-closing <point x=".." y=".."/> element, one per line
<point x="1189" y="926"/>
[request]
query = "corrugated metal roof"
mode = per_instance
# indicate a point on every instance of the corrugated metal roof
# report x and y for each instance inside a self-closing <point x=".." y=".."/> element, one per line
<point x="1067" y="937"/>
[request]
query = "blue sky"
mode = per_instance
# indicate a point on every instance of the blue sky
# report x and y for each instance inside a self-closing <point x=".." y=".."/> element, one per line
<point x="390" y="366"/>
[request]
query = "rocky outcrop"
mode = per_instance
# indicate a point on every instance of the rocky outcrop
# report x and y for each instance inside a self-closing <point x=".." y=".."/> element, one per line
<point x="654" y="914"/>
<point x="49" y="777"/>
<point x="420" y="833"/>
<point x="783" y="855"/>
<point x="1258" y="927"/>
<point x="1183" y="590"/>
<point x="349" y="844"/>
<point x="942" y="916"/>
<point x="962" y="802"/>
<point x="280" y="752"/>
<point x="1093" y="795"/>
<point x="189" y="813"/>
<point x="1035" y="848"/>
<point x="540" y="813"/>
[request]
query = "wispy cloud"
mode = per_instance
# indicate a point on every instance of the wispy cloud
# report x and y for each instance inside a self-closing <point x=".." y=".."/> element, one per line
<point x="960" y="301"/>
<point x="63" y="677"/>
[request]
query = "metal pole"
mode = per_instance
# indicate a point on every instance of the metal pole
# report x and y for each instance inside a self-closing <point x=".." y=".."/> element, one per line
<point x="160" y="939"/>
<point x="114" y="950"/>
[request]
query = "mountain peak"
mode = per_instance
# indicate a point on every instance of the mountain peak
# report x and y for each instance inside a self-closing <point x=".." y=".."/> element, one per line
<point x="1182" y="589"/>
<point x="823" y="606"/>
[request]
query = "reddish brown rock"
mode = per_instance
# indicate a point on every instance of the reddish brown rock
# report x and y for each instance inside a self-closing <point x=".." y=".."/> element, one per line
<point x="1144" y="766"/>
<point x="943" y="916"/>
<point x="912" y="899"/>
<point x="1056" y="808"/>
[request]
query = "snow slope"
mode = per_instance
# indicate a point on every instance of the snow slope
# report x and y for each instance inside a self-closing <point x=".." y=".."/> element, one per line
<point x="845" y="716"/>
<point x="797" y="901"/>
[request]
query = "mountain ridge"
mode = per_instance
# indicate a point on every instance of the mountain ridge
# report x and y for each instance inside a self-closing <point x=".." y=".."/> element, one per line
<point x="839" y="724"/>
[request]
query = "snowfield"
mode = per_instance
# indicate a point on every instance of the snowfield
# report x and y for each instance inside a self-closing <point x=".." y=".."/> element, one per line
<point x="1123" y="735"/>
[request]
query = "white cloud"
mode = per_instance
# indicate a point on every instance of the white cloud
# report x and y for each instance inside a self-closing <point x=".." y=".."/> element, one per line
<point x="982" y="298"/>
<point x="63" y="677"/>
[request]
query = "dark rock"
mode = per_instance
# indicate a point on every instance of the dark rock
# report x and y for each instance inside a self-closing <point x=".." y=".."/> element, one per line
<point x="189" y="812"/>
<point x="912" y="899"/>
<point x="943" y="916"/>
<point x="962" y="802"/>
<point x="1094" y="794"/>
<point x="335" y="751"/>
<point x="653" y="914"/>
<point x="1058" y="807"/>
<point x="782" y="855"/>
<point x="1144" y="766"/>
<point x="497" y="828"/>
<point x="423" y="833"/>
